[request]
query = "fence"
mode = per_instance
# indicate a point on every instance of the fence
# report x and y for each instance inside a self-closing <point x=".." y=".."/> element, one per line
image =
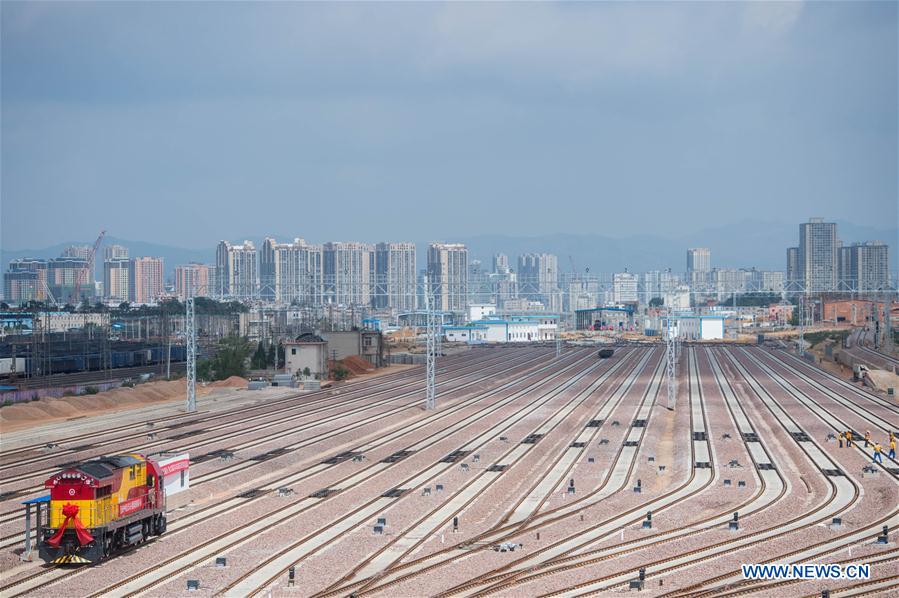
<point x="23" y="396"/>
<point x="406" y="358"/>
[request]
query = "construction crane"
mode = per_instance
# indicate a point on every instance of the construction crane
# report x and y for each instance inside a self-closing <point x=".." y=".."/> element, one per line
<point x="90" y="268"/>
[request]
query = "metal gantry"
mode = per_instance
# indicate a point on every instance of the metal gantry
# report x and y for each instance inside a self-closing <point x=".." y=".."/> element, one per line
<point x="671" y="351"/>
<point x="191" y="338"/>
<point x="431" y="350"/>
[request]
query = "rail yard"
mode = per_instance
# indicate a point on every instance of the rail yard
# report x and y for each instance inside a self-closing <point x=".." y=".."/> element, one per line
<point x="537" y="475"/>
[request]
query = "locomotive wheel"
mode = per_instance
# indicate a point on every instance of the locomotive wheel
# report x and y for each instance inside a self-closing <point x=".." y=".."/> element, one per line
<point x="107" y="545"/>
<point x="160" y="525"/>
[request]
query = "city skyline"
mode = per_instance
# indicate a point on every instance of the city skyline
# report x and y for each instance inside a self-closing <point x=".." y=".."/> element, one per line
<point x="385" y="276"/>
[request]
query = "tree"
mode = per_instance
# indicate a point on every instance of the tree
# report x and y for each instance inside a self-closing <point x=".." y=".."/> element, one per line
<point x="656" y="302"/>
<point x="307" y="372"/>
<point x="271" y="356"/>
<point x="259" y="360"/>
<point x="4" y="306"/>
<point x="231" y="358"/>
<point x="124" y="306"/>
<point x="282" y="357"/>
<point x="204" y="370"/>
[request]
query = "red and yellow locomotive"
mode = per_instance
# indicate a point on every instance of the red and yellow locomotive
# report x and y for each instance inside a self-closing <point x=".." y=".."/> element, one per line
<point x="102" y="505"/>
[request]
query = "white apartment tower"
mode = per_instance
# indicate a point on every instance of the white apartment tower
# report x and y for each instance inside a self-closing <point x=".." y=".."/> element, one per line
<point x="448" y="276"/>
<point x="235" y="267"/>
<point x="624" y="287"/>
<point x="865" y="266"/>
<point x="290" y="272"/>
<point x="699" y="259"/>
<point x="818" y="246"/>
<point x="394" y="276"/>
<point x="347" y="271"/>
<point x="538" y="278"/>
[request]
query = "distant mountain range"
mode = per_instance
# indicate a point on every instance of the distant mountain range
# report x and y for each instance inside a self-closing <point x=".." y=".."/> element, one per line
<point x="743" y="245"/>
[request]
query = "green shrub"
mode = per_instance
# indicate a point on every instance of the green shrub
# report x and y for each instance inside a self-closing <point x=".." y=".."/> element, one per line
<point x="91" y="390"/>
<point x="7" y="403"/>
<point x="340" y="373"/>
<point x="35" y="397"/>
<point x="69" y="393"/>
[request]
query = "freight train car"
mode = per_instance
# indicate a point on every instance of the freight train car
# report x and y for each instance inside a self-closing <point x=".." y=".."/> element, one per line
<point x="606" y="353"/>
<point x="100" y="506"/>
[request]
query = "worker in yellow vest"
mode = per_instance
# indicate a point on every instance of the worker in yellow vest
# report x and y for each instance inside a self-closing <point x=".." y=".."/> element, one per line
<point x="878" y="458"/>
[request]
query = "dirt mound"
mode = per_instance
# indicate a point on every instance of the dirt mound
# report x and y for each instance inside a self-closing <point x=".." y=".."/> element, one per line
<point x="232" y="382"/>
<point x="49" y="409"/>
<point x="357" y="365"/>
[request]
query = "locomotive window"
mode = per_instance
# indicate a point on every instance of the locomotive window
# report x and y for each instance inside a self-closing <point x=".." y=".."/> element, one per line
<point x="132" y="473"/>
<point x="104" y="491"/>
<point x="150" y="482"/>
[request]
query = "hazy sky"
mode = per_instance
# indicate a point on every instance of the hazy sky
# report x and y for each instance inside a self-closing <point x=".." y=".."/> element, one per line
<point x="184" y="123"/>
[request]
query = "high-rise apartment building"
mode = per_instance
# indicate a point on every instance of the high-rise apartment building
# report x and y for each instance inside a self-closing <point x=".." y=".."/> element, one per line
<point x="290" y="272"/>
<point x="864" y="266"/>
<point x="192" y="280"/>
<point x="116" y="279"/>
<point x="624" y="287"/>
<point x="65" y="273"/>
<point x="699" y="259"/>
<point x="793" y="279"/>
<point x="25" y="280"/>
<point x="501" y="263"/>
<point x="818" y="246"/>
<point x="348" y="268"/>
<point x="115" y="252"/>
<point x="649" y="286"/>
<point x="448" y="276"/>
<point x="146" y="280"/>
<point x="538" y="278"/>
<point x="235" y="274"/>
<point x="77" y="251"/>
<point x="394" y="276"/>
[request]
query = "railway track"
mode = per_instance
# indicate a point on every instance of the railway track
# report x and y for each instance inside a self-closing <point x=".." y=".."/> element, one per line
<point x="509" y="524"/>
<point x="237" y="503"/>
<point x="507" y="368"/>
<point x="669" y="565"/>
<point x="770" y="400"/>
<point x="350" y="391"/>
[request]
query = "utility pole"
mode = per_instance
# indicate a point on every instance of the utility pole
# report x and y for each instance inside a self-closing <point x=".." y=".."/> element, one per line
<point x="191" y="334"/>
<point x="801" y="345"/>
<point x="671" y="369"/>
<point x="887" y="327"/>
<point x="431" y="349"/>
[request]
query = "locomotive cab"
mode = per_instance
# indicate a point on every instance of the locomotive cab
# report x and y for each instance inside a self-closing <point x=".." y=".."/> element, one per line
<point x="100" y="505"/>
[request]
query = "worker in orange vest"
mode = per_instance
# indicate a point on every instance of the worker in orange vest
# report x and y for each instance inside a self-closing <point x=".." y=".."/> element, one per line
<point x="867" y="438"/>
<point x="849" y="438"/>
<point x="892" y="454"/>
